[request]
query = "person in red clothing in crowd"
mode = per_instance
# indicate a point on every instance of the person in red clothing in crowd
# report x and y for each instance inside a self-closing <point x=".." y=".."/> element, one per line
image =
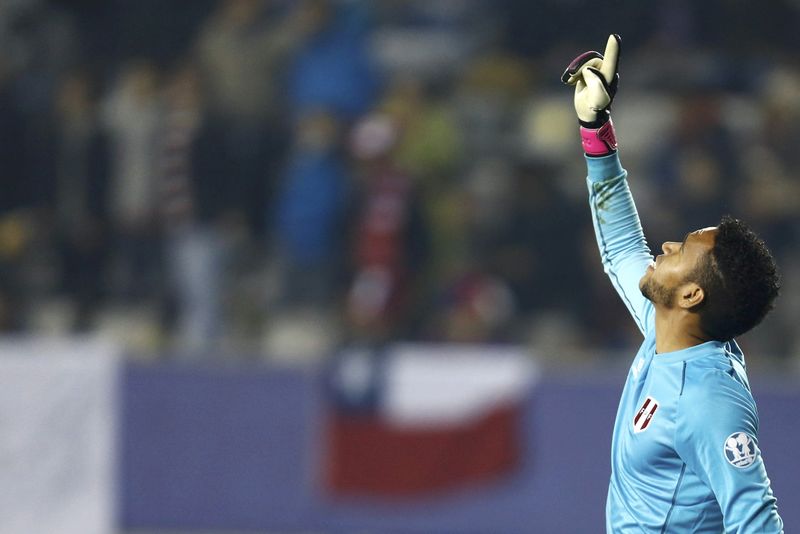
<point x="389" y="238"/>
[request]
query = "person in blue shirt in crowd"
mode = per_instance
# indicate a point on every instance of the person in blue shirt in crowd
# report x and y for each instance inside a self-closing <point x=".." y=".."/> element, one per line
<point x="684" y="453"/>
<point x="332" y="68"/>
<point x="309" y="211"/>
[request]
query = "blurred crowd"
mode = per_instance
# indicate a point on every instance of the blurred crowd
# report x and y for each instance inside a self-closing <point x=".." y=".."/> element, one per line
<point x="276" y="177"/>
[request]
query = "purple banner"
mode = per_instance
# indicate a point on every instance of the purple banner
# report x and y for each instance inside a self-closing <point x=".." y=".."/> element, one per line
<point x="240" y="449"/>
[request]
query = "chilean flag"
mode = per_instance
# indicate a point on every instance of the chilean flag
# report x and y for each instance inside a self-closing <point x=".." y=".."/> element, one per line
<point x="418" y="419"/>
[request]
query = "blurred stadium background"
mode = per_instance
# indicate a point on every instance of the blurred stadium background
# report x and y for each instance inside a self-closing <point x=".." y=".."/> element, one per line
<point x="324" y="266"/>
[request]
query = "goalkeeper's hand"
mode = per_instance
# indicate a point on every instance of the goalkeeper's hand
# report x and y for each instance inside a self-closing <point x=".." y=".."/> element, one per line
<point x="595" y="78"/>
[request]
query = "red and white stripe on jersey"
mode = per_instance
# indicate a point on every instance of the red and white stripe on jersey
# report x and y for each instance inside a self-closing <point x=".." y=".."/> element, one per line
<point x="645" y="414"/>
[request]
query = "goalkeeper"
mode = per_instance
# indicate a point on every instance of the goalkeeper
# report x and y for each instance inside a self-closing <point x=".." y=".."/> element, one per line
<point x="684" y="453"/>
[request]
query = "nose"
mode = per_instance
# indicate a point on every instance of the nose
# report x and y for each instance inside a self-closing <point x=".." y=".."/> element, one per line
<point x="670" y="246"/>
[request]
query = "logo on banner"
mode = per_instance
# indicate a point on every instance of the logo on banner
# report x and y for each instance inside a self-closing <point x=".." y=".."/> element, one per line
<point x="644" y="415"/>
<point x="740" y="450"/>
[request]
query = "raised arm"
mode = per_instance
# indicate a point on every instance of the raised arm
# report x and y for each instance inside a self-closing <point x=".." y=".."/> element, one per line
<point x="623" y="249"/>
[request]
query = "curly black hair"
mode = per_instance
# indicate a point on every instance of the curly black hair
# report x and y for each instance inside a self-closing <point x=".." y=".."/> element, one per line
<point x="740" y="281"/>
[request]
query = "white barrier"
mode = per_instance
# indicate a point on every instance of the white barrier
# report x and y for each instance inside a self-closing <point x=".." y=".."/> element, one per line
<point x="57" y="436"/>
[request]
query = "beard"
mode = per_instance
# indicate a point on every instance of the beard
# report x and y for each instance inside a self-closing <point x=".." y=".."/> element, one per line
<point x="658" y="293"/>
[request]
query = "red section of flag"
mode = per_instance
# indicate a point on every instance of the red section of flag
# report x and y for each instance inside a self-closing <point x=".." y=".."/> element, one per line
<point x="368" y="457"/>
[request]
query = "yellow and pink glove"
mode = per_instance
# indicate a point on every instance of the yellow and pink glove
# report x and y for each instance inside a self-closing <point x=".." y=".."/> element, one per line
<point x="595" y="78"/>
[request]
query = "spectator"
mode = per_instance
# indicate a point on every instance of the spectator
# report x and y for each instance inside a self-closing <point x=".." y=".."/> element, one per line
<point x="242" y="52"/>
<point x="198" y="216"/>
<point x="429" y="147"/>
<point x="521" y="228"/>
<point x="769" y="199"/>
<point x="332" y="69"/>
<point x="429" y="144"/>
<point x="131" y="116"/>
<point x="389" y="246"/>
<point x="39" y="41"/>
<point x="79" y="173"/>
<point x="309" y="211"/>
<point x="477" y="307"/>
<point x="696" y="164"/>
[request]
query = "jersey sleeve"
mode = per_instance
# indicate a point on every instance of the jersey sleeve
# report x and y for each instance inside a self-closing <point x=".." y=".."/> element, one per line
<point x="717" y="438"/>
<point x="623" y="248"/>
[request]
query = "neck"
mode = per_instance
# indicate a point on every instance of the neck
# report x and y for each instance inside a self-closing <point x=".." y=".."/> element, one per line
<point x="677" y="329"/>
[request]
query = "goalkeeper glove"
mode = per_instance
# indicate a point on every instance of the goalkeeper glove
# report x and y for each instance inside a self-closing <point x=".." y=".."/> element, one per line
<point x="595" y="78"/>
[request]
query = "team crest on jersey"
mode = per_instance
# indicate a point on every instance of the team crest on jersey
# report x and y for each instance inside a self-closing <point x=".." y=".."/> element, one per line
<point x="740" y="450"/>
<point x="645" y="415"/>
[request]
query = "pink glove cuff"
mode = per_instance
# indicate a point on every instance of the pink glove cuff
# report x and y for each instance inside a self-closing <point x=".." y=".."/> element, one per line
<point x="599" y="142"/>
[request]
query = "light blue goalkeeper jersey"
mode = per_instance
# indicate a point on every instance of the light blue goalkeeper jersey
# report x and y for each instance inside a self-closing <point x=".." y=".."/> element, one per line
<point x="684" y="454"/>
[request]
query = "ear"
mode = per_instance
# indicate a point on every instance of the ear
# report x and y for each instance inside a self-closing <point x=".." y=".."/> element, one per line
<point x="690" y="295"/>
